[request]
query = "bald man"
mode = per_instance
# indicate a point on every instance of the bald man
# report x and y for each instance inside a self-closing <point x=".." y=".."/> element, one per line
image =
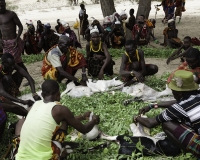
<point x="62" y="61"/>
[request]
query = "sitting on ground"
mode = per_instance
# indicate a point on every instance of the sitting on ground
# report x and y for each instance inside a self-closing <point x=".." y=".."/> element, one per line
<point x="8" y="106"/>
<point x="10" y="82"/>
<point x="72" y="35"/>
<point x="99" y="61"/>
<point x="39" y="29"/>
<point x="191" y="64"/>
<point x="31" y="41"/>
<point x="62" y="61"/>
<point x="48" y="38"/>
<point x="141" y="32"/>
<point x="117" y="35"/>
<point x="133" y="67"/>
<point x="184" y="133"/>
<point x="171" y="35"/>
<point x="187" y="45"/>
<point x="46" y="125"/>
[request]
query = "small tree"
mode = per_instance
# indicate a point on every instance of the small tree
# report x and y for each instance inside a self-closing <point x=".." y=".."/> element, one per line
<point x="144" y="8"/>
<point x="107" y="7"/>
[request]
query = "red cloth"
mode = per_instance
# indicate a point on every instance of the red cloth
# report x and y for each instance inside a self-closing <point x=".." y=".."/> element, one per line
<point x="143" y="33"/>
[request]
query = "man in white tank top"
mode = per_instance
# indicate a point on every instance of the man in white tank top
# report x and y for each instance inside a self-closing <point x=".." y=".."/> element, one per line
<point x="43" y="126"/>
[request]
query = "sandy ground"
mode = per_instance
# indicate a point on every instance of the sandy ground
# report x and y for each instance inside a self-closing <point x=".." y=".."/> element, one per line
<point x="48" y="11"/>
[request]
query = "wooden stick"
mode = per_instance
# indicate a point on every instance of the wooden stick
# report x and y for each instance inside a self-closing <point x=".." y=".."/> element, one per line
<point x="78" y="31"/>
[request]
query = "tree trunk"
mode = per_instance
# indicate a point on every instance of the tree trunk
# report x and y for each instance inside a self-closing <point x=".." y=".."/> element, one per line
<point x="144" y="8"/>
<point x="107" y="7"/>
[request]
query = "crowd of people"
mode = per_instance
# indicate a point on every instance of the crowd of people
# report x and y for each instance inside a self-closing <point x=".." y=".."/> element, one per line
<point x="41" y="131"/>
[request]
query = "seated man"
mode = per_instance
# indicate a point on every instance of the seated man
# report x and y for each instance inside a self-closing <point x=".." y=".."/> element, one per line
<point x="117" y="35"/>
<point x="123" y="17"/>
<point x="72" y="35"/>
<point x="133" y="67"/>
<point x="95" y="22"/>
<point x="57" y="27"/>
<point x="31" y="41"/>
<point x="47" y="123"/>
<point x="98" y="58"/>
<point x="9" y="83"/>
<point x="187" y="45"/>
<point x="8" y="106"/>
<point x="39" y="29"/>
<point x="141" y="32"/>
<point x="62" y="61"/>
<point x="191" y="64"/>
<point x="180" y="121"/>
<point x="171" y="35"/>
<point x="151" y="23"/>
<point x="48" y="38"/>
<point x="107" y="29"/>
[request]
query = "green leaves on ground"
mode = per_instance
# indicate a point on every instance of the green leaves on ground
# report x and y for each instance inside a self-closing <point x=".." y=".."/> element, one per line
<point x="28" y="59"/>
<point x="115" y="120"/>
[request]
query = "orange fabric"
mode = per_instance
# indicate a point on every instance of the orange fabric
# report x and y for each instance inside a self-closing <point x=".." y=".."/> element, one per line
<point x="75" y="57"/>
<point x="48" y="71"/>
<point x="76" y="60"/>
<point x="165" y="32"/>
<point x="184" y="66"/>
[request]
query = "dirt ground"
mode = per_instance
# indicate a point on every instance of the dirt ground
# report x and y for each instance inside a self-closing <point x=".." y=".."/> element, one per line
<point x="35" y="69"/>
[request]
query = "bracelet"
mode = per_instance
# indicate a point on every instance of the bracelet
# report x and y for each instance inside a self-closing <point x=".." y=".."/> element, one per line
<point x="151" y="106"/>
<point x="155" y="105"/>
<point x="34" y="94"/>
<point x="82" y="116"/>
<point x="95" y="120"/>
<point x="83" y="72"/>
<point x="135" y="119"/>
<point x="134" y="79"/>
<point x="132" y="74"/>
<point x="78" y="80"/>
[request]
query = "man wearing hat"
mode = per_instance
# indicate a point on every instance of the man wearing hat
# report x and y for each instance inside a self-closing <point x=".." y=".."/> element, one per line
<point x="180" y="121"/>
<point x="171" y="35"/>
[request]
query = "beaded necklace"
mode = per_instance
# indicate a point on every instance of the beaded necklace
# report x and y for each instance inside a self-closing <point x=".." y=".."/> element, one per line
<point x="91" y="47"/>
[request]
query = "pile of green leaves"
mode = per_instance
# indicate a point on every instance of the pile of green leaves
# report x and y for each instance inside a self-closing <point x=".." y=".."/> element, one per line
<point x="28" y="59"/>
<point x="115" y="120"/>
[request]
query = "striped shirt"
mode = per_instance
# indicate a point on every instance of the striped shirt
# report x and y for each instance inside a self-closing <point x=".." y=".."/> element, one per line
<point x="187" y="110"/>
<point x="2" y="115"/>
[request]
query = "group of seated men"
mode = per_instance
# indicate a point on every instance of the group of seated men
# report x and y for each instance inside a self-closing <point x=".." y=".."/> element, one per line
<point x="41" y="134"/>
<point x="112" y="30"/>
